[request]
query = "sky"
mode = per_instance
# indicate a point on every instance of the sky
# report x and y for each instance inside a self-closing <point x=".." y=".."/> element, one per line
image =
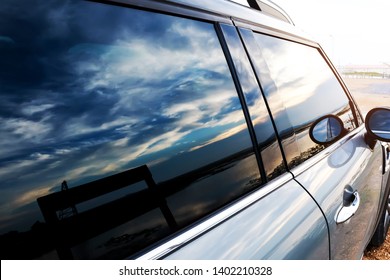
<point x="350" y="32"/>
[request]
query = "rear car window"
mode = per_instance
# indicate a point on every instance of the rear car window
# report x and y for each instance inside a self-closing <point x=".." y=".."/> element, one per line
<point x="89" y="94"/>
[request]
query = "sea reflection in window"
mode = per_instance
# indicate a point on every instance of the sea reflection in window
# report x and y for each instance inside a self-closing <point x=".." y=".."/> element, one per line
<point x="103" y="90"/>
<point x="300" y="88"/>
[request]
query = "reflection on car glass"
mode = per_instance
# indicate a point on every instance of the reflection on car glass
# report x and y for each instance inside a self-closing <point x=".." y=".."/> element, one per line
<point x="268" y="145"/>
<point x="300" y="88"/>
<point x="81" y="105"/>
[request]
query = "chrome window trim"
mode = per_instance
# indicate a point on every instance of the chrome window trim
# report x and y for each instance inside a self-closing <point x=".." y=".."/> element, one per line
<point x="194" y="232"/>
<point x="302" y="167"/>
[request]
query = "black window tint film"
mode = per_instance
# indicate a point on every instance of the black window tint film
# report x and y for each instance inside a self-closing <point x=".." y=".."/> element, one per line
<point x="265" y="133"/>
<point x="300" y="88"/>
<point x="124" y="124"/>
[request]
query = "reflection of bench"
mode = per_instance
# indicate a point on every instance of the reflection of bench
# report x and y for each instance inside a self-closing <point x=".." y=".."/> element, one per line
<point x="80" y="227"/>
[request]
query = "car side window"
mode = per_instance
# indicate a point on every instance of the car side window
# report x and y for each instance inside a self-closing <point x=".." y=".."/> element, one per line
<point x="103" y="94"/>
<point x="269" y="148"/>
<point x="300" y="88"/>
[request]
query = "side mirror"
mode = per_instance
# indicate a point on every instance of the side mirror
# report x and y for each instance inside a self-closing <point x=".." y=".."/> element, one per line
<point x="378" y="124"/>
<point x="327" y="130"/>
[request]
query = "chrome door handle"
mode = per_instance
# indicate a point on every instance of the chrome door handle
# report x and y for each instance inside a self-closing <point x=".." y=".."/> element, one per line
<point x="344" y="213"/>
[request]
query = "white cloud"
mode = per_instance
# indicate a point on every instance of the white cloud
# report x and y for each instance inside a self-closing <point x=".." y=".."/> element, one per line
<point x="32" y="109"/>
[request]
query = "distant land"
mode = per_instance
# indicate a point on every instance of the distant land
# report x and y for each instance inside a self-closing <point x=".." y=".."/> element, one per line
<point x="381" y="71"/>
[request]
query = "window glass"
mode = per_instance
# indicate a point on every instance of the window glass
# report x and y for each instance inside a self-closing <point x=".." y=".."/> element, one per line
<point x="90" y="95"/>
<point x="271" y="155"/>
<point x="300" y="88"/>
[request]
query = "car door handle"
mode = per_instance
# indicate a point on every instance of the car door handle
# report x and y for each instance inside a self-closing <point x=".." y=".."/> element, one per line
<point x="345" y="212"/>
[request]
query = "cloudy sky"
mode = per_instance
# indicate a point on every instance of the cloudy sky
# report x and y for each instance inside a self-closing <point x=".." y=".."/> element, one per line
<point x="351" y="32"/>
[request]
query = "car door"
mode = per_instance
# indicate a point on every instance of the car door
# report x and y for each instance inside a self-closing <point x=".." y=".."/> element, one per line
<point x="278" y="221"/>
<point x="344" y="178"/>
<point x="352" y="167"/>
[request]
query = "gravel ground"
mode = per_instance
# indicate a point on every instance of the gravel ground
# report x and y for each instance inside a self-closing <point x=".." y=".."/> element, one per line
<point x="379" y="253"/>
<point x="370" y="93"/>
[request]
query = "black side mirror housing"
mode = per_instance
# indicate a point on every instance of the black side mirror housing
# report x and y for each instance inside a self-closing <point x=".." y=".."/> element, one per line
<point x="378" y="124"/>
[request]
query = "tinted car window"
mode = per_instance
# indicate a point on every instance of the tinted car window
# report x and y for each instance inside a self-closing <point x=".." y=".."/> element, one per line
<point x="93" y="92"/>
<point x="300" y="88"/>
<point x="271" y="155"/>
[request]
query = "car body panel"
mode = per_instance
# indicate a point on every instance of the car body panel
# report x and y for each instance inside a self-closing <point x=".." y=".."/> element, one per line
<point x="285" y="224"/>
<point x="352" y="164"/>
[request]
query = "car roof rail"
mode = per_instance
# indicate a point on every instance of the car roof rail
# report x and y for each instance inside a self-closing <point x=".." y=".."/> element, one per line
<point x="270" y="8"/>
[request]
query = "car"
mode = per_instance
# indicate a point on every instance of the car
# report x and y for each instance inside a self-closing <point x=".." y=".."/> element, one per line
<point x="181" y="130"/>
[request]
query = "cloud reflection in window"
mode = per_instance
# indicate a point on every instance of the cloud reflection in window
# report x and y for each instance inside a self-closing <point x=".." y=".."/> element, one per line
<point x="83" y="100"/>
